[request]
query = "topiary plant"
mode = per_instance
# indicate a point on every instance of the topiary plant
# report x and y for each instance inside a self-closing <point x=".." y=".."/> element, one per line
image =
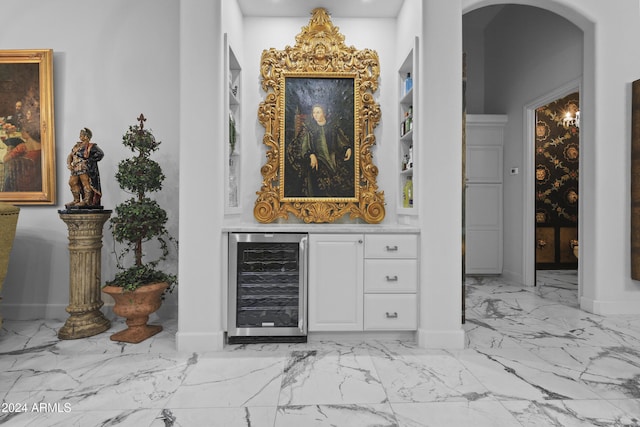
<point x="140" y="219"/>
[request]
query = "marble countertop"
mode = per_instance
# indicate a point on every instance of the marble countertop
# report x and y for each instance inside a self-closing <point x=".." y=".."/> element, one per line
<point x="320" y="228"/>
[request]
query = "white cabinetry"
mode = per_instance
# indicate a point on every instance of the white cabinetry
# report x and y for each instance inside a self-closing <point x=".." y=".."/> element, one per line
<point x="483" y="205"/>
<point x="362" y="282"/>
<point x="391" y="279"/>
<point x="335" y="282"/>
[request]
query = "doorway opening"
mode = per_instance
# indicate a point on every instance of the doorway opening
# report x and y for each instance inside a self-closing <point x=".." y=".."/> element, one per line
<point x="508" y="62"/>
<point x="552" y="213"/>
<point x="557" y="149"/>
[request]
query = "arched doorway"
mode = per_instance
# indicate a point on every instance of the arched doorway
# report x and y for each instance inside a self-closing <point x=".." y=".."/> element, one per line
<point x="515" y="96"/>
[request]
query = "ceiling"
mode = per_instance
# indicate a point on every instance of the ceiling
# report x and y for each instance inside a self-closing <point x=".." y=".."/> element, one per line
<point x="336" y="8"/>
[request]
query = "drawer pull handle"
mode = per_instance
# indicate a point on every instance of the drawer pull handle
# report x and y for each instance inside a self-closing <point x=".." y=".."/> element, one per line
<point x="393" y="315"/>
<point x="392" y="278"/>
<point x="391" y="248"/>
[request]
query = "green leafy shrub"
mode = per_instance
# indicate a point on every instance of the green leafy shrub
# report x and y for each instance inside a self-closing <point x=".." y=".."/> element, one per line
<point x="140" y="220"/>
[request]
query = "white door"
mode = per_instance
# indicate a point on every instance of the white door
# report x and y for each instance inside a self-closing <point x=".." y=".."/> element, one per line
<point x="484" y="229"/>
<point x="483" y="203"/>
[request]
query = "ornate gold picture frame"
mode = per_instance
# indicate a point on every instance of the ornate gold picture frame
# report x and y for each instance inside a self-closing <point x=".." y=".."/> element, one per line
<point x="27" y="135"/>
<point x="319" y="115"/>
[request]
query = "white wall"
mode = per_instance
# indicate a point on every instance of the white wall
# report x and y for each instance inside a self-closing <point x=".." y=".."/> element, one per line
<point x="112" y="61"/>
<point x="473" y="41"/>
<point x="440" y="189"/>
<point x="408" y="27"/>
<point x="607" y="286"/>
<point x="202" y="122"/>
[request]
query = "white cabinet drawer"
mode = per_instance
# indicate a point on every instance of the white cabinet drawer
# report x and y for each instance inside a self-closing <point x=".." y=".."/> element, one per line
<point x="391" y="246"/>
<point x="390" y="275"/>
<point x="390" y="312"/>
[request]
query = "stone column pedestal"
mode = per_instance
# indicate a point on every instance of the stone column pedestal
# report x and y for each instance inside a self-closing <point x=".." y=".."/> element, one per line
<point x="85" y="248"/>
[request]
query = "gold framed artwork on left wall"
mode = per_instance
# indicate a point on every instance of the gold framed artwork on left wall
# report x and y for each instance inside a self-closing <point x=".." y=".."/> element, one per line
<point x="27" y="133"/>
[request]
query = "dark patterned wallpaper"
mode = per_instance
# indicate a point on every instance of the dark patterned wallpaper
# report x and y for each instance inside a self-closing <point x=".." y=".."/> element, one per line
<point x="557" y="152"/>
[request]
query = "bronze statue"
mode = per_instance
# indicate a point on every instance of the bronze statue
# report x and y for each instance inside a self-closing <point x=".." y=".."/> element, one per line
<point x="85" y="177"/>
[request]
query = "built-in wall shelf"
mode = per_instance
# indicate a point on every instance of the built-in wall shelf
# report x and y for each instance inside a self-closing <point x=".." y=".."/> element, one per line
<point x="407" y="182"/>
<point x="232" y="103"/>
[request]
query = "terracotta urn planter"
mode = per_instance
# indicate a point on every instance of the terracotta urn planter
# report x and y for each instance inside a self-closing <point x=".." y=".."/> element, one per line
<point x="136" y="306"/>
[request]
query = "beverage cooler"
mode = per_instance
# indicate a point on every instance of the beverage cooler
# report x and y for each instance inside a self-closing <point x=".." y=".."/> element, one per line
<point x="267" y="288"/>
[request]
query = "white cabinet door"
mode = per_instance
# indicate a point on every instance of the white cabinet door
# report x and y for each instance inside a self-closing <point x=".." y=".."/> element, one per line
<point x="336" y="265"/>
<point x="483" y="240"/>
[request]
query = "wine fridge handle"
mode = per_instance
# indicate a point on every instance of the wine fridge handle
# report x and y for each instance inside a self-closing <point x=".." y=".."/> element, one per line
<point x="302" y="321"/>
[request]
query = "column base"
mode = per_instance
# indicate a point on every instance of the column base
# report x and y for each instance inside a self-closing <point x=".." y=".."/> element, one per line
<point x="84" y="325"/>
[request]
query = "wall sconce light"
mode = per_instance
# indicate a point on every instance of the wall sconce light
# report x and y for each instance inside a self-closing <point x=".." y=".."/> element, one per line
<point x="570" y="120"/>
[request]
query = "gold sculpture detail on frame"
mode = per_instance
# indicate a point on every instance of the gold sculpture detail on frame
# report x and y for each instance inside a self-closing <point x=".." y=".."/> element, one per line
<point x="319" y="115"/>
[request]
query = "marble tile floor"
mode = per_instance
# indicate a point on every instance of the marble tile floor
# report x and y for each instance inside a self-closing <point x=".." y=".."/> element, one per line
<point x="529" y="361"/>
<point x="558" y="285"/>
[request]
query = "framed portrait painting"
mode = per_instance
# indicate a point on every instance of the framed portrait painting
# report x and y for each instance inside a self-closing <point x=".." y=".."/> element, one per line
<point x="27" y="134"/>
<point x="319" y="138"/>
<point x="319" y="115"/>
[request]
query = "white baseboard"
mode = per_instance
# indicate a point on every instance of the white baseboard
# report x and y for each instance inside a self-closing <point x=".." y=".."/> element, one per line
<point x="441" y="339"/>
<point x="59" y="311"/>
<point x="609" y="308"/>
<point x="361" y="336"/>
<point x="33" y="311"/>
<point x="189" y="342"/>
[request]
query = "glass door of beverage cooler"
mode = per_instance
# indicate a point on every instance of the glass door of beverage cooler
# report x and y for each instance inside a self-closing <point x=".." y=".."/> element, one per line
<point x="267" y="287"/>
